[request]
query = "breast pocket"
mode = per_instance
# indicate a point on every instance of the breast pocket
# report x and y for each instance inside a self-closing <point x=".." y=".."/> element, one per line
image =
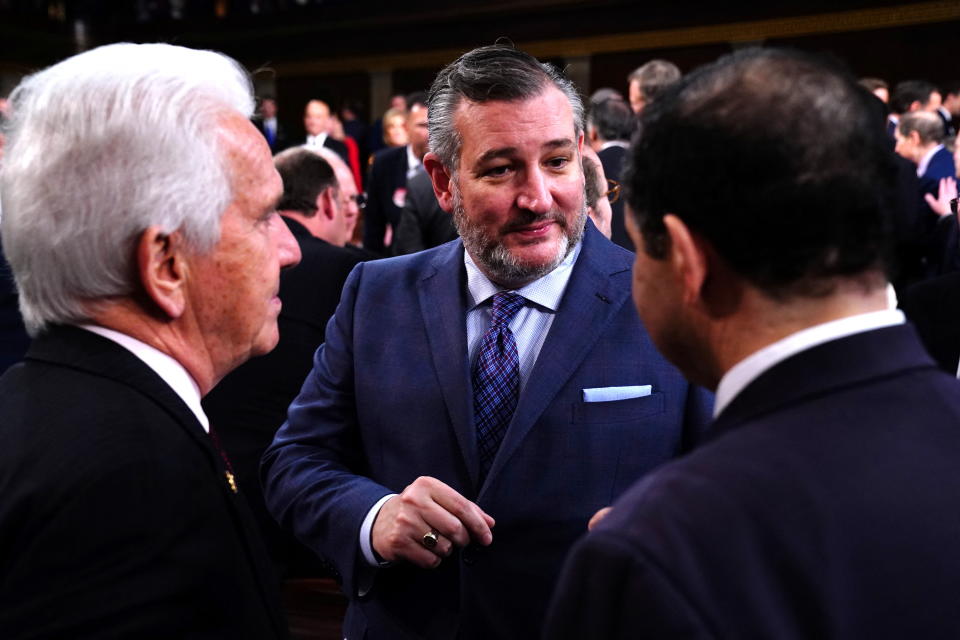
<point x="618" y="410"/>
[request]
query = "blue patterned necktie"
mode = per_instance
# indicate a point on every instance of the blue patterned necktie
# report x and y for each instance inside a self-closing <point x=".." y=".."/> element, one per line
<point x="496" y="379"/>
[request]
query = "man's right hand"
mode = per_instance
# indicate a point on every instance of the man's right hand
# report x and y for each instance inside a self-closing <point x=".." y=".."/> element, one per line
<point x="428" y="505"/>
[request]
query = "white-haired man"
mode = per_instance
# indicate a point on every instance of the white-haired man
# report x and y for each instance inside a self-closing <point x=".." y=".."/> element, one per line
<point x="147" y="250"/>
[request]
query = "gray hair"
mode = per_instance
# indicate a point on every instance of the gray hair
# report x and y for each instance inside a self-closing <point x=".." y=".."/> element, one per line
<point x="102" y="146"/>
<point x="494" y="73"/>
<point x="653" y="77"/>
<point x="928" y="126"/>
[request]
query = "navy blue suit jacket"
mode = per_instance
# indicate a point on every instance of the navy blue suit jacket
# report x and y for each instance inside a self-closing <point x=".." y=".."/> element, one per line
<point x="382" y="407"/>
<point x="824" y="505"/>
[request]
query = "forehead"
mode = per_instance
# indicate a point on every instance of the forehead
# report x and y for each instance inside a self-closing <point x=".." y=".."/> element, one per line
<point x="316" y="108"/>
<point x="523" y="124"/>
<point x="248" y="158"/>
<point x="417" y="112"/>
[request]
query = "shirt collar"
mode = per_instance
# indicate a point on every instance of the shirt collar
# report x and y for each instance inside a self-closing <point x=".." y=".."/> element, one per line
<point x="171" y="371"/>
<point x="623" y="144"/>
<point x="546" y="291"/>
<point x="412" y="160"/>
<point x="925" y="160"/>
<point x="750" y="368"/>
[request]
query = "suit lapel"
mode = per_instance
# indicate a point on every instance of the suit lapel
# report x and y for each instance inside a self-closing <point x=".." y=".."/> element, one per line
<point x="443" y="303"/>
<point x="589" y="303"/>
<point x="84" y="350"/>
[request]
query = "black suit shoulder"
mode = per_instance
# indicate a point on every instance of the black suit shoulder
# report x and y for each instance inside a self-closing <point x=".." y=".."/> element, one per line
<point x="117" y="519"/>
<point x="933" y="306"/>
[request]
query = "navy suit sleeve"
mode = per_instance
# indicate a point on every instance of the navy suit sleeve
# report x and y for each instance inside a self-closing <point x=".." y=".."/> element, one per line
<point x="610" y="589"/>
<point x="313" y="473"/>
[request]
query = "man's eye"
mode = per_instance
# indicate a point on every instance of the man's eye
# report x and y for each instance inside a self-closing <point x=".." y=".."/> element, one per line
<point x="558" y="163"/>
<point x="497" y="172"/>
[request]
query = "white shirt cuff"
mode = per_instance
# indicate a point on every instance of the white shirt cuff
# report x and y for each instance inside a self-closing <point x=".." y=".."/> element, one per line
<point x="366" y="547"/>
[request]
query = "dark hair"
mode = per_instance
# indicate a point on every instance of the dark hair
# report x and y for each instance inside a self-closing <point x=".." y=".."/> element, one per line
<point x="591" y="179"/>
<point x="951" y="88"/>
<point x="495" y="73"/>
<point x="415" y="98"/>
<point x="778" y="159"/>
<point x="613" y="119"/>
<point x="908" y="92"/>
<point x="872" y="84"/>
<point x="305" y="175"/>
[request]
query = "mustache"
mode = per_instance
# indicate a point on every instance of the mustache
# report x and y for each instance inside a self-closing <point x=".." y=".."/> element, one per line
<point x="526" y="218"/>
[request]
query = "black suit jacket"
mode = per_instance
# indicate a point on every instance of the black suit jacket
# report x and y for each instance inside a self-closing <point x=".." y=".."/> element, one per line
<point x="117" y="519"/>
<point x="934" y="308"/>
<point x="824" y="505"/>
<point x="249" y="405"/>
<point x="13" y="336"/>
<point x="423" y="224"/>
<point x="388" y="173"/>
<point x="613" y="159"/>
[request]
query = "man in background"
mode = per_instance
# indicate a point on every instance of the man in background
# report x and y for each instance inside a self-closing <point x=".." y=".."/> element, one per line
<point x="316" y="122"/>
<point x="266" y="122"/>
<point x="649" y="80"/>
<point x="823" y="502"/>
<point x="390" y="171"/>
<point x="610" y="124"/>
<point x="141" y="228"/>
<point x="250" y="404"/>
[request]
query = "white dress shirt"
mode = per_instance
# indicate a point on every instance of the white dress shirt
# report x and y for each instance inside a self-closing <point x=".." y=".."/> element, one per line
<point x="413" y="163"/>
<point x="315" y="142"/>
<point x="750" y="368"/>
<point x="171" y="371"/>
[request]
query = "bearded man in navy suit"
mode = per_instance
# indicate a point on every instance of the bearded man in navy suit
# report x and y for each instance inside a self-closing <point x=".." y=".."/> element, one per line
<point x="823" y="503"/>
<point x="445" y="466"/>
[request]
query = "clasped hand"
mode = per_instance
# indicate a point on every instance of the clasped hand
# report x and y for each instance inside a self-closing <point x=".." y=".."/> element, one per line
<point x="428" y="505"/>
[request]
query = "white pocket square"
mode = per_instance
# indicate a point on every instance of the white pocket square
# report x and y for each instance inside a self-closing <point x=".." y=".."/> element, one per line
<point x="608" y="394"/>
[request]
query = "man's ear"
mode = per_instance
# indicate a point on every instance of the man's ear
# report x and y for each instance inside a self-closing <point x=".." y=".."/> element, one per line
<point x="327" y="203"/>
<point x="688" y="258"/>
<point x="442" y="183"/>
<point x="162" y="270"/>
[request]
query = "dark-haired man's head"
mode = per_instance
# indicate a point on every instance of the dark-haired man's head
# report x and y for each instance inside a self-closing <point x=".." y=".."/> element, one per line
<point x="608" y="121"/>
<point x="505" y="139"/>
<point x="416" y="123"/>
<point x="914" y="95"/>
<point x="877" y="87"/>
<point x="771" y="164"/>
<point x="312" y="194"/>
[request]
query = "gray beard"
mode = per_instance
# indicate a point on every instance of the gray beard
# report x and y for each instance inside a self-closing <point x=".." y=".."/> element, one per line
<point x="496" y="260"/>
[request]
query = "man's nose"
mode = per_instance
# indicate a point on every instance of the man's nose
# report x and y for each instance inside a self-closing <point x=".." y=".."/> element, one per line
<point x="288" y="251"/>
<point x="535" y="193"/>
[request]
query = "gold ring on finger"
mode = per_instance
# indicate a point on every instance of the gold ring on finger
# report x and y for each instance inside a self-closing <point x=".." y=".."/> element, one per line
<point x="429" y="539"/>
